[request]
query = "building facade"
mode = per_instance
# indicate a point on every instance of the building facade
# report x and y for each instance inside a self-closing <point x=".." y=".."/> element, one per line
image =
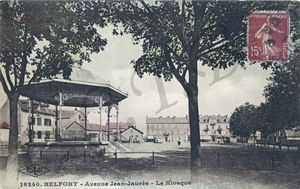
<point x="174" y="129"/>
<point x="43" y="121"/>
<point x="131" y="135"/>
<point x="168" y="129"/>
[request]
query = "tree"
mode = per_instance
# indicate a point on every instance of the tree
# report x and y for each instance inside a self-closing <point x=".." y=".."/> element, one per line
<point x="177" y="36"/>
<point x="242" y="121"/>
<point x="281" y="109"/>
<point x="39" y="40"/>
<point x="262" y="120"/>
<point x="282" y="95"/>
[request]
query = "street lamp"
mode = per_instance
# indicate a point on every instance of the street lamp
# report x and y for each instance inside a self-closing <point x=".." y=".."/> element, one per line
<point x="32" y="107"/>
<point x="85" y="120"/>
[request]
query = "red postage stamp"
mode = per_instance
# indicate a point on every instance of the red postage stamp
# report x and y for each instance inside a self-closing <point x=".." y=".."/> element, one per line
<point x="268" y="36"/>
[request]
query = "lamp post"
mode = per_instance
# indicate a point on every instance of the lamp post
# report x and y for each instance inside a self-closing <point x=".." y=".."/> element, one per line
<point x="100" y="122"/>
<point x="32" y="106"/>
<point x="30" y="121"/>
<point x="108" y="122"/>
<point x="85" y="120"/>
<point x="56" y="124"/>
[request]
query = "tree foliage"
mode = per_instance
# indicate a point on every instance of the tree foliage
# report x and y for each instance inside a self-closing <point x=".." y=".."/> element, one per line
<point x="242" y="121"/>
<point x="40" y="38"/>
<point x="282" y="95"/>
<point x="177" y="36"/>
<point x="281" y="109"/>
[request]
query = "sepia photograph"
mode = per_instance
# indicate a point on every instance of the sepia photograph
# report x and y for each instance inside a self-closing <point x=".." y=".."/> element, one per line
<point x="149" y="94"/>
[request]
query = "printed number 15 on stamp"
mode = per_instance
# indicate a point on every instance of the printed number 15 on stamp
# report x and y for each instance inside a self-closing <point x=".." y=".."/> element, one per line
<point x="268" y="36"/>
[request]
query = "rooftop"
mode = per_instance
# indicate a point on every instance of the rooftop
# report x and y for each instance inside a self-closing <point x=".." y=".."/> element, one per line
<point x="41" y="108"/>
<point x="81" y="89"/>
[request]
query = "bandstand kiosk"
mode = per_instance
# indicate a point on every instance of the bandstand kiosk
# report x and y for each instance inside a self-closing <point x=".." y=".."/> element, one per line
<point x="82" y="89"/>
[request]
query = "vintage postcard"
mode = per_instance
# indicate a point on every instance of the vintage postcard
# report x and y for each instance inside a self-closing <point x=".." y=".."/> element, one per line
<point x="149" y="94"/>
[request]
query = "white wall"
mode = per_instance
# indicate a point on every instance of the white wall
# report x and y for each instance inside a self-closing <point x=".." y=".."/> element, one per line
<point x="4" y="133"/>
<point x="132" y="135"/>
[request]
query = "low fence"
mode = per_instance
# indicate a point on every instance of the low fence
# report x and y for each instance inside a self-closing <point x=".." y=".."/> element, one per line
<point x="116" y="155"/>
<point x="248" y="158"/>
<point x="279" y="146"/>
<point x="85" y="155"/>
<point x="63" y="155"/>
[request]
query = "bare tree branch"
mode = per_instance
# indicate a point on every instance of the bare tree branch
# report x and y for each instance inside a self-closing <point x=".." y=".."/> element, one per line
<point x="24" y="60"/>
<point x="167" y="50"/>
<point x="34" y="75"/>
<point x="147" y="8"/>
<point x="198" y="12"/>
<point x="173" y="69"/>
<point x="184" y="72"/>
<point x="38" y="67"/>
<point x="15" y="72"/>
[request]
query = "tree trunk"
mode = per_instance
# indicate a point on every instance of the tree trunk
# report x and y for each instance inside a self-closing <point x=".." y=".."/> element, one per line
<point x="194" y="129"/>
<point x="12" y="161"/>
<point x="192" y="94"/>
<point x="13" y="130"/>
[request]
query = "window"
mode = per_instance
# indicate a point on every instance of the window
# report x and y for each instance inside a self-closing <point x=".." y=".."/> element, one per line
<point x="212" y="127"/>
<point x="39" y="133"/>
<point x="47" y="135"/>
<point x="47" y="122"/>
<point x="39" y="121"/>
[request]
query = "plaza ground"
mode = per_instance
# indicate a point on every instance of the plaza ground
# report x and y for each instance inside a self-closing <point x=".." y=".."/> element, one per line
<point x="223" y="166"/>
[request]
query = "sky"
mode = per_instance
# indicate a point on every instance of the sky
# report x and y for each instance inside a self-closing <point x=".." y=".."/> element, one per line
<point x="149" y="96"/>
